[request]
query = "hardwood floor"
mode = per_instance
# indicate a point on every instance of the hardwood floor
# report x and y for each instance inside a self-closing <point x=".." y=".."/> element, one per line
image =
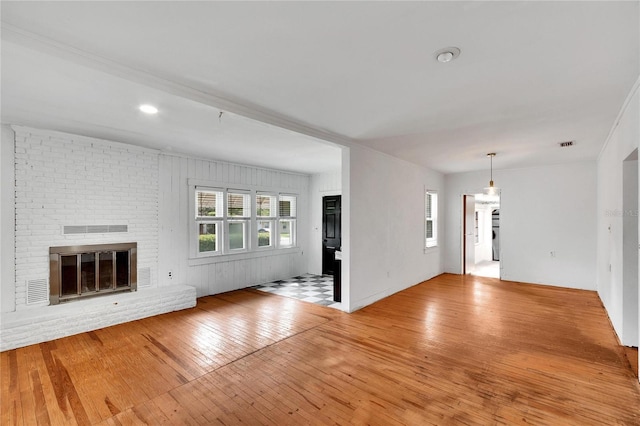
<point x="453" y="350"/>
<point x="632" y="357"/>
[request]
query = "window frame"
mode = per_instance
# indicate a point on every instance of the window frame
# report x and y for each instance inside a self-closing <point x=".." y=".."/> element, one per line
<point x="292" y="219"/>
<point x="430" y="196"/>
<point x="272" y="219"/>
<point x="216" y="220"/>
<point x="251" y="222"/>
<point x="245" y="220"/>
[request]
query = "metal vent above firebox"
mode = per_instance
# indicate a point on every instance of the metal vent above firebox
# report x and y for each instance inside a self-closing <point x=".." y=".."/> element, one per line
<point x="94" y="229"/>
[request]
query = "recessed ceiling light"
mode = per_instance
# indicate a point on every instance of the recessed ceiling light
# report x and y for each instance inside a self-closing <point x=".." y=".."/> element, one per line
<point x="148" y="109"/>
<point x="447" y="54"/>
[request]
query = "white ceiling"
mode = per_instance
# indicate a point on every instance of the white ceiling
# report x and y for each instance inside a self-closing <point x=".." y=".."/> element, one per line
<point x="51" y="93"/>
<point x="531" y="74"/>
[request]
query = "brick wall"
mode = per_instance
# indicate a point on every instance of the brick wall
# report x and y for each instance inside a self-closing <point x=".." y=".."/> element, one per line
<point x="66" y="180"/>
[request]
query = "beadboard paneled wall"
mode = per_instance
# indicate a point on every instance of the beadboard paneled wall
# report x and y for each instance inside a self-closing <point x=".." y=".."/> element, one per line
<point x="222" y="273"/>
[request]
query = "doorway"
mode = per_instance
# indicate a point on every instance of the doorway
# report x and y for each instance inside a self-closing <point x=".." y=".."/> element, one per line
<point x="331" y="232"/>
<point x="630" y="278"/>
<point x="481" y="235"/>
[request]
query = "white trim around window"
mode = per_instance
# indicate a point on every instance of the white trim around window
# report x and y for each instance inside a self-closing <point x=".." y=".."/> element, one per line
<point x="430" y="218"/>
<point x="287" y="223"/>
<point x="229" y="222"/>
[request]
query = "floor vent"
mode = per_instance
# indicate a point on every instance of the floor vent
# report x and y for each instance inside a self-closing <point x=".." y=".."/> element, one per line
<point x="94" y="229"/>
<point x="144" y="277"/>
<point x="37" y="292"/>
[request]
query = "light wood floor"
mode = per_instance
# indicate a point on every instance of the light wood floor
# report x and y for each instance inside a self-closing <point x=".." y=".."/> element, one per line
<point x="452" y="350"/>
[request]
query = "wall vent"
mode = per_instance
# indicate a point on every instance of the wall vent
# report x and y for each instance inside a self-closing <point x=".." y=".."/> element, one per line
<point x="94" y="229"/>
<point x="566" y="144"/>
<point x="37" y="292"/>
<point x="75" y="230"/>
<point x="144" y="277"/>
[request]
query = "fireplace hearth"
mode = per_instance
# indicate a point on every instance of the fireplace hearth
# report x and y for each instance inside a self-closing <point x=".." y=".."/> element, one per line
<point x="78" y="272"/>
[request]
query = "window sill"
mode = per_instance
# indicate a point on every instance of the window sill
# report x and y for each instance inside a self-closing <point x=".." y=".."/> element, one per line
<point x="431" y="249"/>
<point x="206" y="260"/>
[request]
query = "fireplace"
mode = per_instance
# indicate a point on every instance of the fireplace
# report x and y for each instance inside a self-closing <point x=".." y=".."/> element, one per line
<point x="78" y="272"/>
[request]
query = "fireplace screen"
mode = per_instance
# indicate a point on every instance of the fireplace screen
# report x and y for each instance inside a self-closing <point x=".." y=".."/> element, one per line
<point x="92" y="270"/>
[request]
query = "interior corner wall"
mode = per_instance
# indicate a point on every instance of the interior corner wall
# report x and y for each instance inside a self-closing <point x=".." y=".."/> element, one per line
<point x="623" y="140"/>
<point x="542" y="210"/>
<point x="320" y="185"/>
<point x="7" y="224"/>
<point x="223" y="273"/>
<point x="387" y="225"/>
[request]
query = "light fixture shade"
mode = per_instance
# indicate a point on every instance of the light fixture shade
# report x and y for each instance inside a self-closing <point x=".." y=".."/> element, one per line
<point x="491" y="189"/>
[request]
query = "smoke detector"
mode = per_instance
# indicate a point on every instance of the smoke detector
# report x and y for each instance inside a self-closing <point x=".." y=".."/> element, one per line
<point x="447" y="54"/>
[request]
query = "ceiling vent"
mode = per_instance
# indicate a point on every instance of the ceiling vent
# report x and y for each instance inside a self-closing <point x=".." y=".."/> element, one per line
<point x="566" y="144"/>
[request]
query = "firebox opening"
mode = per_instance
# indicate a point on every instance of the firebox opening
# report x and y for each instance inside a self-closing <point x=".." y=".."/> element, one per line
<point x="91" y="270"/>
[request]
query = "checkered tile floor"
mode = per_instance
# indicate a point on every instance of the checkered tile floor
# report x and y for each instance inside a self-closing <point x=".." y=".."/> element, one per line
<point x="316" y="289"/>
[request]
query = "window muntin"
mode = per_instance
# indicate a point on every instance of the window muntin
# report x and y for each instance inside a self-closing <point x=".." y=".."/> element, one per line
<point x="431" y="214"/>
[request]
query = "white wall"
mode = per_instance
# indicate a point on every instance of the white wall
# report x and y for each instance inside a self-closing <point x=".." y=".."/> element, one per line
<point x="7" y="224"/>
<point x="386" y="226"/>
<point x="622" y="141"/>
<point x="630" y="279"/>
<point x="542" y="210"/>
<point x="223" y="273"/>
<point x="320" y="185"/>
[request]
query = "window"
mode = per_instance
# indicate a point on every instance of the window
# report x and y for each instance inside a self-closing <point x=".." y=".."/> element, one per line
<point x="287" y="220"/>
<point x="266" y="217"/>
<point x="238" y="217"/>
<point x="228" y="221"/>
<point x="209" y="214"/>
<point x="431" y="218"/>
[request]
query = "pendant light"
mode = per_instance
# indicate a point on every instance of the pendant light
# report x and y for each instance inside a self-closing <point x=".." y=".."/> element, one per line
<point x="491" y="190"/>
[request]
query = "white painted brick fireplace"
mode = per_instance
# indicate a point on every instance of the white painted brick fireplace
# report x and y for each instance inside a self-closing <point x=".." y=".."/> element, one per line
<point x="65" y="180"/>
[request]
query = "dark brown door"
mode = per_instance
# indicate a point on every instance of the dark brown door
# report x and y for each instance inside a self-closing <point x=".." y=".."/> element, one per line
<point x="331" y="236"/>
